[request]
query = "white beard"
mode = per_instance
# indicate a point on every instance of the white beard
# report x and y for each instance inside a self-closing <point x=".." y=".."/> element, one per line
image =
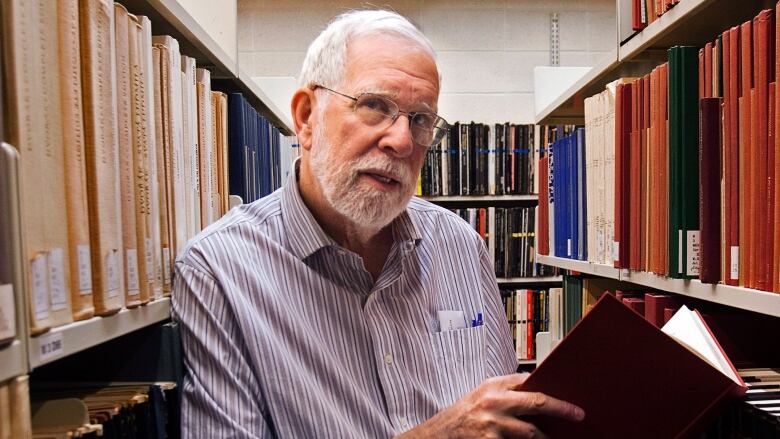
<point x="362" y="204"/>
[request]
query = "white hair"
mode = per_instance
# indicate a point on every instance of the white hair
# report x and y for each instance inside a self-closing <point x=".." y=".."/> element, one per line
<point x="326" y="58"/>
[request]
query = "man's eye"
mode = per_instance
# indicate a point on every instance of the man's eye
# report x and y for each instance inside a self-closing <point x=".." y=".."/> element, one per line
<point x="424" y="120"/>
<point x="376" y="104"/>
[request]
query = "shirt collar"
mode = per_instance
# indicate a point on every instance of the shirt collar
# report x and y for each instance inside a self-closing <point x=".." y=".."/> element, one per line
<point x="306" y="237"/>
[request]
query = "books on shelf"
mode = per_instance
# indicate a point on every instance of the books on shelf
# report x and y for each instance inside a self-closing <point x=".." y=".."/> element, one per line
<point x="131" y="165"/>
<point x="15" y="407"/>
<point x="641" y="366"/>
<point x="481" y="159"/>
<point x="528" y="312"/>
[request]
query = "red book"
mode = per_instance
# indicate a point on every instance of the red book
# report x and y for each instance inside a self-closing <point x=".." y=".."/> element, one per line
<point x="746" y="85"/>
<point x="530" y="325"/>
<point x="775" y="170"/>
<point x="654" y="307"/>
<point x="769" y="243"/>
<point x="709" y="189"/>
<point x="664" y="168"/>
<point x="635" y="176"/>
<point x="543" y="234"/>
<point x="623" y="99"/>
<point x="635" y="303"/>
<point x="764" y="31"/>
<point x="731" y="159"/>
<point x="654" y="236"/>
<point x="625" y="370"/>
<point x="707" y="70"/>
<point x="644" y="189"/>
<point x="701" y="73"/>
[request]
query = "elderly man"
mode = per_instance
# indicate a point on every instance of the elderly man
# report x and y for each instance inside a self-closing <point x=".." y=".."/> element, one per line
<point x="325" y="309"/>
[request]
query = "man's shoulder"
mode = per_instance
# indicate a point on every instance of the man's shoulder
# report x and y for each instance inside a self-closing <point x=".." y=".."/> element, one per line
<point x="432" y="217"/>
<point x="247" y="222"/>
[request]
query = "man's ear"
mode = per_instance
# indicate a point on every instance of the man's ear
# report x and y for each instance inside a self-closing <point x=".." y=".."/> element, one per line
<point x="302" y="104"/>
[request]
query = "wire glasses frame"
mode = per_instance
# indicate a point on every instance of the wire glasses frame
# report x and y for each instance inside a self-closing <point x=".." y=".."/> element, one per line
<point x="427" y="128"/>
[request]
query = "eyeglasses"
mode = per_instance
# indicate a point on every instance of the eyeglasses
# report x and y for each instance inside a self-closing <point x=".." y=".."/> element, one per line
<point x="375" y="110"/>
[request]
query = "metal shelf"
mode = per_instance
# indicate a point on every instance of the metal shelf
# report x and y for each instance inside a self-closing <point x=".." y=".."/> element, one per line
<point x="77" y="336"/>
<point x="12" y="361"/>
<point x="519" y="361"/>
<point x="168" y="17"/>
<point x="480" y="198"/>
<point x="738" y="297"/>
<point x="528" y="280"/>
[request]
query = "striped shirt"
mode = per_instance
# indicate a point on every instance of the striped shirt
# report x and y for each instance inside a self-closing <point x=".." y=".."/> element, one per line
<point x="285" y="334"/>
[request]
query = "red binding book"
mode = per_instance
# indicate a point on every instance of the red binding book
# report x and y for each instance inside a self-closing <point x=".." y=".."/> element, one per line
<point x="543" y="234"/>
<point x="623" y="121"/>
<point x="626" y="370"/>
<point x="709" y="189"/>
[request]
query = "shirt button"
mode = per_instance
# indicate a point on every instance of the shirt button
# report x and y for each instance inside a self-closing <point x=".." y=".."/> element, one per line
<point x="388" y="358"/>
<point x="404" y="421"/>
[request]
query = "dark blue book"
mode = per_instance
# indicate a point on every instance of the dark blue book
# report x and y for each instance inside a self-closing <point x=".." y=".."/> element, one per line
<point x="237" y="146"/>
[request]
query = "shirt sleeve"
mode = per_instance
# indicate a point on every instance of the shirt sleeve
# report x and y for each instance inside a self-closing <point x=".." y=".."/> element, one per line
<point x="220" y="395"/>
<point x="501" y="357"/>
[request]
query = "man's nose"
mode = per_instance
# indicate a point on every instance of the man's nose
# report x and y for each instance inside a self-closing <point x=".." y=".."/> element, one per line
<point x="397" y="137"/>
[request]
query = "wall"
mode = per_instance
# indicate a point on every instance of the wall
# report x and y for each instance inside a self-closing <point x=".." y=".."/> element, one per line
<point x="486" y="49"/>
<point x="220" y="23"/>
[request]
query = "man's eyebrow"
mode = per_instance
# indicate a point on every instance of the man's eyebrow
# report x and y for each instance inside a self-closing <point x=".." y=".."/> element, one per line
<point x="394" y="95"/>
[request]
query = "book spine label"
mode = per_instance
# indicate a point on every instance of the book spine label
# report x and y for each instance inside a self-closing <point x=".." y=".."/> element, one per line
<point x="59" y="295"/>
<point x="39" y="283"/>
<point x="112" y="274"/>
<point x="131" y="258"/>
<point x="734" y="268"/>
<point x="85" y="269"/>
<point x="149" y="257"/>
<point x="692" y="261"/>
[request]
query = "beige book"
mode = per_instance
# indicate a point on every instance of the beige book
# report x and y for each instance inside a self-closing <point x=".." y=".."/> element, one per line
<point x="206" y="146"/>
<point x="141" y="170"/>
<point x="10" y="243"/>
<point x="171" y="78"/>
<point x="147" y="77"/>
<point x="5" y="412"/>
<point x="19" y="395"/>
<point x="75" y="164"/>
<point x="223" y="118"/>
<point x="609" y="174"/>
<point x="96" y="22"/>
<point x="124" y="104"/>
<point x="193" y="180"/>
<point x="30" y="38"/>
<point x="216" y="165"/>
<point x="162" y="171"/>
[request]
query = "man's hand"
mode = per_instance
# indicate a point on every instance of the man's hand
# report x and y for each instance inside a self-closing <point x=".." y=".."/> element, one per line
<point x="492" y="410"/>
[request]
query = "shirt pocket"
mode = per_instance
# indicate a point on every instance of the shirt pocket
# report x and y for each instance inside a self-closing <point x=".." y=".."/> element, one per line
<point x="460" y="360"/>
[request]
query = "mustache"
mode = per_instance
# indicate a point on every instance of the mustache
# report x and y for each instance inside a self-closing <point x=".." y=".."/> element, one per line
<point x="393" y="169"/>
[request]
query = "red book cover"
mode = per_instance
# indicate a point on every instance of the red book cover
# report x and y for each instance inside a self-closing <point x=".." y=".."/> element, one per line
<point x="769" y="244"/>
<point x="752" y="194"/>
<point x="635" y="303"/>
<point x="776" y="166"/>
<point x="654" y="307"/>
<point x="724" y="165"/>
<point x="701" y="73"/>
<point x="530" y="325"/>
<point x="654" y="236"/>
<point x="626" y="370"/>
<point x="635" y="175"/>
<point x="763" y="30"/>
<point x="664" y="177"/>
<point x="709" y="189"/>
<point x="623" y="123"/>
<point x="543" y="234"/>
<point x="482" y="220"/>
<point x="645" y="189"/>
<point x="746" y="80"/>
<point x="708" y="70"/>
<point x="731" y="159"/>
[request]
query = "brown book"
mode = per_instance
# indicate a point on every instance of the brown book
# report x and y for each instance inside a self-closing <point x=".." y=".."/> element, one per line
<point x="709" y="189"/>
<point x="30" y="35"/>
<point x="75" y="165"/>
<point x="19" y="397"/>
<point x="166" y="263"/>
<point x="654" y="307"/>
<point x="708" y="70"/>
<point x="206" y="159"/>
<point x="97" y="72"/>
<point x="653" y="236"/>
<point x="752" y="198"/>
<point x="731" y="160"/>
<point x="627" y="359"/>
<point x="746" y="75"/>
<point x="717" y="70"/>
<point x="702" y="79"/>
<point x="147" y="78"/>
<point x="124" y="104"/>
<point x="769" y="245"/>
<point x="724" y="165"/>
<point x="645" y="177"/>
<point x="141" y="167"/>
<point x="10" y="242"/>
<point x="216" y="121"/>
<point x="223" y="112"/>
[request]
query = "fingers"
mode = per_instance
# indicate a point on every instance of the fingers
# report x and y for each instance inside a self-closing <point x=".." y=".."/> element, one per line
<point x="515" y="428"/>
<point x="509" y="382"/>
<point x="535" y="403"/>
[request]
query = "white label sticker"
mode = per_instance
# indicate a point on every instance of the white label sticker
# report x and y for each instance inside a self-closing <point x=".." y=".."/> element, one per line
<point x="131" y="265"/>
<point x="59" y="296"/>
<point x="734" y="269"/>
<point x="112" y="274"/>
<point x="166" y="265"/>
<point x="51" y="346"/>
<point x="680" y="245"/>
<point x="85" y="269"/>
<point x="568" y="247"/>
<point x="39" y="274"/>
<point x="692" y="262"/>
<point x="600" y="245"/>
<point x="149" y="257"/>
<point x="7" y="311"/>
<point x="616" y="251"/>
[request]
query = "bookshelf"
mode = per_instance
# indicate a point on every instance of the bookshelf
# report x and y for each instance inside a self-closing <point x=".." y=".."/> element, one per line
<point x="509" y="281"/>
<point x="72" y="338"/>
<point x="168" y="17"/>
<point x="691" y="22"/>
<point x="470" y="199"/>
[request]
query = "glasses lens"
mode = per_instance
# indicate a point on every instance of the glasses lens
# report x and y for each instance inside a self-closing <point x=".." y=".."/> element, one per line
<point x="374" y="109"/>
<point x="428" y="129"/>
